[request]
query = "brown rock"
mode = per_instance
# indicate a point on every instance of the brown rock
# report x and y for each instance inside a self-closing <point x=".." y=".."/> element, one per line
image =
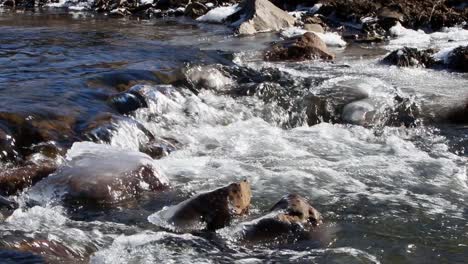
<point x="292" y="219"/>
<point x="297" y="209"/>
<point x="260" y="16"/>
<point x="214" y="208"/>
<point x="16" y="179"/>
<point x="306" y="47"/>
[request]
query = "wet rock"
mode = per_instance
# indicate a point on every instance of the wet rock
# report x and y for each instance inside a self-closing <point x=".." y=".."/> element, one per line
<point x="102" y="174"/>
<point x="410" y="57"/>
<point x="22" y="131"/>
<point x="16" y="179"/>
<point x="196" y="9"/>
<point x="306" y="47"/>
<point x="8" y="150"/>
<point x="7" y="207"/>
<point x="215" y="209"/>
<point x="127" y="102"/>
<point x="103" y="127"/>
<point x="159" y="148"/>
<point x="314" y="28"/>
<point x="260" y="16"/>
<point x="289" y="220"/>
<point x="458" y="59"/>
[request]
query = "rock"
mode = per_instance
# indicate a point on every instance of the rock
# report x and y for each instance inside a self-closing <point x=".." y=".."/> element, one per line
<point x="7" y="207"/>
<point x="214" y="209"/>
<point x="16" y="179"/>
<point x="103" y="127"/>
<point x="290" y="220"/>
<point x="314" y="28"/>
<point x="159" y="148"/>
<point x="196" y="9"/>
<point x="260" y="16"/>
<point x="25" y="130"/>
<point x="406" y="57"/>
<point x="127" y="102"/>
<point x="8" y="150"/>
<point x="102" y="174"/>
<point x="306" y="47"/>
<point x="389" y="16"/>
<point x="458" y="115"/>
<point x="458" y="59"/>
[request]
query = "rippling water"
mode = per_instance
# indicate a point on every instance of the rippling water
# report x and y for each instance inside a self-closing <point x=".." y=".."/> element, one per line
<point x="389" y="194"/>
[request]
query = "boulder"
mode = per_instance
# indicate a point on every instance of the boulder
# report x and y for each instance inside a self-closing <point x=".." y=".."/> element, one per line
<point x="306" y="47"/>
<point x="458" y="59"/>
<point x="18" y="178"/>
<point x="211" y="210"/>
<point x="290" y="220"/>
<point x="102" y="174"/>
<point x="410" y="57"/>
<point x="260" y="16"/>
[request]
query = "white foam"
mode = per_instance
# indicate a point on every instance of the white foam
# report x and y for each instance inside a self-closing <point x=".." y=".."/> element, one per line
<point x="150" y="247"/>
<point x="219" y="14"/>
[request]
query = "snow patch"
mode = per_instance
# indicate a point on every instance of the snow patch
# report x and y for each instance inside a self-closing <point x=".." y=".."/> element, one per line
<point x="219" y="14"/>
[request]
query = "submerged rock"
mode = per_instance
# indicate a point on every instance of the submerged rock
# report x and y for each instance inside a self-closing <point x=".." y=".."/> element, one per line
<point x="102" y="174"/>
<point x="458" y="59"/>
<point x="406" y="57"/>
<point x="260" y="16"/>
<point x="212" y="210"/>
<point x="306" y="47"/>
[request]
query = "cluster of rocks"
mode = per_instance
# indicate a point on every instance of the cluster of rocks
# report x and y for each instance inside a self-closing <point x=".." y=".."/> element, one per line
<point x="291" y="217"/>
<point x="456" y="59"/>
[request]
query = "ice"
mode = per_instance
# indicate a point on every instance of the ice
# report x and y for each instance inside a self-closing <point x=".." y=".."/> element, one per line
<point x="447" y="37"/>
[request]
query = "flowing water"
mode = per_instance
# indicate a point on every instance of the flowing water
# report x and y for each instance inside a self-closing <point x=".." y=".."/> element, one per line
<point x="389" y="193"/>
